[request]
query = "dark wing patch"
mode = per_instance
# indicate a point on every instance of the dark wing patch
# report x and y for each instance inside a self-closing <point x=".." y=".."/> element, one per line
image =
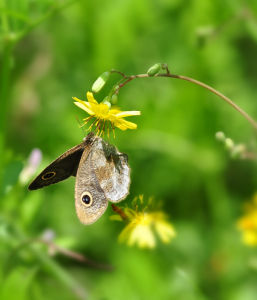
<point x="63" y="167"/>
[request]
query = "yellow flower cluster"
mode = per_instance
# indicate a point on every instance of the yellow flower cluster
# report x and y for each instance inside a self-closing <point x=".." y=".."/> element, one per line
<point x="105" y="115"/>
<point x="143" y="225"/>
<point x="248" y="223"/>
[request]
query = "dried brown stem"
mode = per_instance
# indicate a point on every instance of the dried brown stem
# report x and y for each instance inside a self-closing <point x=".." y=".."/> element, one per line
<point x="119" y="72"/>
<point x="120" y="212"/>
<point x="76" y="256"/>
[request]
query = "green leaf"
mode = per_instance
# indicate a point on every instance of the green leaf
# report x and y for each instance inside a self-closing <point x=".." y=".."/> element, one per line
<point x="16" y="284"/>
<point x="10" y="176"/>
<point x="115" y="218"/>
<point x="30" y="207"/>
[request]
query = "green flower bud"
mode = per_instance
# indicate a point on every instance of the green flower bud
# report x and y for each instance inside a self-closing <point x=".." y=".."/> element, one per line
<point x="114" y="99"/>
<point x="153" y="70"/>
<point x="220" y="136"/>
<point x="100" y="82"/>
<point x="229" y="144"/>
<point x="238" y="151"/>
<point x="107" y="102"/>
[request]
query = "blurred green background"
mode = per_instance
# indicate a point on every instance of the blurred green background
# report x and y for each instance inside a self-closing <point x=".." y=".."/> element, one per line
<point x="50" y="52"/>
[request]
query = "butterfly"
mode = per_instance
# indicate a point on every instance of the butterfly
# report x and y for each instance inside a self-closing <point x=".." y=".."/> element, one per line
<point x="102" y="175"/>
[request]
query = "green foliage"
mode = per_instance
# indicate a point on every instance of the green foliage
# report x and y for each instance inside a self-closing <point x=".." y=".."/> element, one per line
<point x="17" y="283"/>
<point x="53" y="50"/>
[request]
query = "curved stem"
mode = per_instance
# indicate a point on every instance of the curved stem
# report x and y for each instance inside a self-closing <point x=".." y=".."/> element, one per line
<point x="197" y="82"/>
<point x="214" y="91"/>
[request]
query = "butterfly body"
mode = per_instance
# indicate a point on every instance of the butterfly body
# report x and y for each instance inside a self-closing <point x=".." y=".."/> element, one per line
<point x="102" y="175"/>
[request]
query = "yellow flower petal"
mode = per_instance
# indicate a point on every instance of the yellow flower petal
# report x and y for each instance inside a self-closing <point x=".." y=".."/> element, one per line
<point x="125" y="233"/>
<point x="248" y="223"/>
<point x="123" y="114"/>
<point x="250" y="238"/>
<point x="142" y="226"/>
<point x="143" y="236"/>
<point x="84" y="107"/>
<point x="165" y="231"/>
<point x="90" y="98"/>
<point x="124" y="124"/>
<point x="103" y="113"/>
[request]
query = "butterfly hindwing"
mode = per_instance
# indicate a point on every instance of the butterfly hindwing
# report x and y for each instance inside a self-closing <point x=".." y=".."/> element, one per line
<point x="112" y="170"/>
<point x="90" y="200"/>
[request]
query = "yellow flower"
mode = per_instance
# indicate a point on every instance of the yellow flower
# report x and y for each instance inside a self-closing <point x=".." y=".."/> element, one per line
<point x="143" y="226"/>
<point x="139" y="231"/>
<point x="248" y="223"/>
<point x="105" y="115"/>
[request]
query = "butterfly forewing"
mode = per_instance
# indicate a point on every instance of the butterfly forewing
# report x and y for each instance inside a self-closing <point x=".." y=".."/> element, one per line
<point x="63" y="167"/>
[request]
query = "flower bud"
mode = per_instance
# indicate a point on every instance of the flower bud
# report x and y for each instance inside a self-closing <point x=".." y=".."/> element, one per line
<point x="100" y="82"/>
<point x="220" y="136"/>
<point x="229" y="144"/>
<point x="153" y="70"/>
<point x="107" y="102"/>
<point x="114" y="99"/>
<point x="238" y="151"/>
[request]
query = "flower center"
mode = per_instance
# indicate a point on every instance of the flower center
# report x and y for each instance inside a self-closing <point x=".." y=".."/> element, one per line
<point x="102" y="111"/>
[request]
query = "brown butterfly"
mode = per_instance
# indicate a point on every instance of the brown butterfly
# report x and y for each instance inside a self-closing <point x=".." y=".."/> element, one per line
<point x="102" y="175"/>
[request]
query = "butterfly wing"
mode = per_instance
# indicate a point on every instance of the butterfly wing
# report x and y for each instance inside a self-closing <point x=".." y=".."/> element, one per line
<point x="112" y="170"/>
<point x="63" y="167"/>
<point x="90" y="200"/>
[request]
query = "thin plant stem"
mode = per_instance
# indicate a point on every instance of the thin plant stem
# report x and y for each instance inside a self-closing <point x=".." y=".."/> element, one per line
<point x="51" y="266"/>
<point x="120" y="212"/>
<point x="40" y="20"/>
<point x="194" y="81"/>
<point x="5" y="73"/>
<point x="4" y="18"/>
<point x="48" y="263"/>
<point x="76" y="256"/>
<point x="219" y="94"/>
<point x="10" y="40"/>
<point x="5" y="69"/>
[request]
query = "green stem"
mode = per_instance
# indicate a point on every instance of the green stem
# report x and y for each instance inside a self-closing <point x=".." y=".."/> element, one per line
<point x="5" y="73"/>
<point x="48" y="263"/>
<point x="197" y="82"/>
<point x="4" y="18"/>
<point x="219" y="94"/>
<point x="40" y="20"/>
<point x="57" y="271"/>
